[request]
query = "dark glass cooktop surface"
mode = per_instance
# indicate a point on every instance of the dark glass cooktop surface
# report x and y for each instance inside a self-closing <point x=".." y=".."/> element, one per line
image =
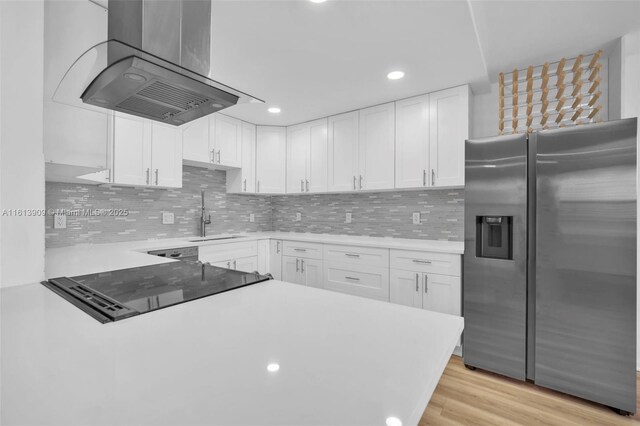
<point x="128" y="292"/>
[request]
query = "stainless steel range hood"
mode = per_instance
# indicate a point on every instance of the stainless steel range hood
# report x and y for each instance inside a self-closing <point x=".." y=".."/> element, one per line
<point x="158" y="60"/>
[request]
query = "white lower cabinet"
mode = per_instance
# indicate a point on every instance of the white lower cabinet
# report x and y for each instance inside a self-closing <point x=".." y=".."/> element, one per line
<point x="244" y="264"/>
<point x="369" y="281"/>
<point x="434" y="292"/>
<point x="302" y="271"/>
<point x="275" y="259"/>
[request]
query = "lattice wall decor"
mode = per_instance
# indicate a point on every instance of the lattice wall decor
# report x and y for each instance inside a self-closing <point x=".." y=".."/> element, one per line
<point x="556" y="94"/>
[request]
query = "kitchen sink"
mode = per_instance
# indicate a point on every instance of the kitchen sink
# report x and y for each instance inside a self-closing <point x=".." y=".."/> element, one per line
<point x="197" y="240"/>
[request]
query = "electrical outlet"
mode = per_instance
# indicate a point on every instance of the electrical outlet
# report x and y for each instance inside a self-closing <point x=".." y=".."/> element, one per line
<point x="167" y="218"/>
<point x="252" y="217"/>
<point x="347" y="218"/>
<point x="416" y="218"/>
<point x="59" y="221"/>
<point x="298" y="217"/>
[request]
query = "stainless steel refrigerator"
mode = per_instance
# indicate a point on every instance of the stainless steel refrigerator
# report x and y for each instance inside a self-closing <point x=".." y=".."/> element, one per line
<point x="549" y="291"/>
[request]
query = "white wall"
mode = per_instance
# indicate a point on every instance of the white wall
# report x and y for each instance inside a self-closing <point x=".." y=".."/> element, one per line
<point x="21" y="154"/>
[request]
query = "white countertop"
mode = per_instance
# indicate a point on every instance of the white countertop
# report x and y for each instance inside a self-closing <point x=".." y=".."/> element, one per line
<point x="343" y="360"/>
<point x="91" y="258"/>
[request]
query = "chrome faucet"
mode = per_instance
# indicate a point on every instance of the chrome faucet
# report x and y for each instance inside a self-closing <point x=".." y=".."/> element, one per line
<point x="204" y="222"/>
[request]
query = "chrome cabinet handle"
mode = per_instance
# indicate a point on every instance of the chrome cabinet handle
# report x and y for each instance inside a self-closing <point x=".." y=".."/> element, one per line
<point x="354" y="183"/>
<point x="212" y="157"/>
<point x="158" y="300"/>
<point x="234" y="265"/>
<point x="299" y="249"/>
<point x="157" y="176"/>
<point x="351" y="255"/>
<point x="428" y="262"/>
<point x="302" y="265"/>
<point x="229" y="265"/>
<point x="307" y="185"/>
<point x="360" y="181"/>
<point x="301" y="185"/>
<point x="352" y="278"/>
<point x="297" y="265"/>
<point x="108" y="175"/>
<point x="218" y="156"/>
<point x="277" y="247"/>
<point x="148" y="175"/>
<point x="424" y="177"/>
<point x="433" y="177"/>
<point x="426" y="284"/>
<point x="417" y="279"/>
<point x="245" y="185"/>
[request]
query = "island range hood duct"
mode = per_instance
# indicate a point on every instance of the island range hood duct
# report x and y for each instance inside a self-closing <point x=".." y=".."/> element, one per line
<point x="158" y="60"/>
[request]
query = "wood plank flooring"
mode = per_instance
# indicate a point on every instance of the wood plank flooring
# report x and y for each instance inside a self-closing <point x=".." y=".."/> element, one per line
<point x="465" y="397"/>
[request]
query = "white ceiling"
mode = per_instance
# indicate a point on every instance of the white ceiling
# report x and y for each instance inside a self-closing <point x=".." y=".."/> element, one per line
<point x="314" y="60"/>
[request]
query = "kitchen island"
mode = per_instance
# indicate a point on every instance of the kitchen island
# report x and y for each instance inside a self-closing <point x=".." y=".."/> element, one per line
<point x="270" y="353"/>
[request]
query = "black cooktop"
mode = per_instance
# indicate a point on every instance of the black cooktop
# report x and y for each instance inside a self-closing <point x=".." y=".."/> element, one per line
<point x="115" y="295"/>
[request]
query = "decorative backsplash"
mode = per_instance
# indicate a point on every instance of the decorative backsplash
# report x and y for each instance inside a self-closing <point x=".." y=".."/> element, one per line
<point x="229" y="212"/>
<point x="383" y="214"/>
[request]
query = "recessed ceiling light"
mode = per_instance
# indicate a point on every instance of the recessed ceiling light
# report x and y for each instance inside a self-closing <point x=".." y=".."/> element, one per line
<point x="393" y="421"/>
<point x="317" y="1"/>
<point x="134" y="76"/>
<point x="273" y="367"/>
<point x="274" y="110"/>
<point x="395" y="75"/>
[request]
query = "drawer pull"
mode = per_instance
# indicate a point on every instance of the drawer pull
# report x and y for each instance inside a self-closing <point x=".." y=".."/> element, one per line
<point x="299" y="249"/>
<point x="428" y="262"/>
<point x="352" y="278"/>
<point x="351" y="255"/>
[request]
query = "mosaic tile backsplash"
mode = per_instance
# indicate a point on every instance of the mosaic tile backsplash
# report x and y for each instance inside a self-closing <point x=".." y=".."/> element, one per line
<point x="229" y="212"/>
<point x="385" y="214"/>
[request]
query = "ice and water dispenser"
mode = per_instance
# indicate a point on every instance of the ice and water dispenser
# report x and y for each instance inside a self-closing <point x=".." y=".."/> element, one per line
<point x="494" y="237"/>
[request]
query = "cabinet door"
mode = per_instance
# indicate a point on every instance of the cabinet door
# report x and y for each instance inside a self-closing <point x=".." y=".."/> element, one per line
<point x="248" y="157"/>
<point x="343" y="152"/>
<point x="412" y="142"/>
<point x="441" y="293"/>
<point x="227" y="141"/>
<point x="405" y="288"/>
<point x="271" y="148"/>
<point x="377" y="147"/>
<point x="297" y="157"/>
<point x="449" y="128"/>
<point x="131" y="140"/>
<point x="195" y="141"/>
<point x="246" y="264"/>
<point x="275" y="259"/>
<point x="313" y="272"/>
<point x="226" y="264"/>
<point x="291" y="270"/>
<point x="317" y="157"/>
<point x="166" y="156"/>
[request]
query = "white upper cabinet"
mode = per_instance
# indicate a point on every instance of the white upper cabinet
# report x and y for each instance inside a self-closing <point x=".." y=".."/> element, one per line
<point x="271" y="148"/>
<point x="377" y="147"/>
<point x="227" y="140"/>
<point x="166" y="156"/>
<point x="297" y="157"/>
<point x="195" y="142"/>
<point x="412" y="143"/>
<point x="343" y="152"/>
<point x="144" y="153"/>
<point x="307" y="157"/>
<point x="449" y="128"/>
<point x="214" y="141"/>
<point x="317" y="166"/>
<point x="243" y="180"/>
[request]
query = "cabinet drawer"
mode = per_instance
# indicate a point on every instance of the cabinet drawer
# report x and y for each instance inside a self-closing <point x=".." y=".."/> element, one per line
<point x="422" y="261"/>
<point x="367" y="282"/>
<point x="300" y="249"/>
<point x="224" y="252"/>
<point x="365" y="256"/>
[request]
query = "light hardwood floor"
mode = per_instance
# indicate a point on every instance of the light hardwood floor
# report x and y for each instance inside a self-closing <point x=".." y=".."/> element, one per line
<point x="465" y="397"/>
